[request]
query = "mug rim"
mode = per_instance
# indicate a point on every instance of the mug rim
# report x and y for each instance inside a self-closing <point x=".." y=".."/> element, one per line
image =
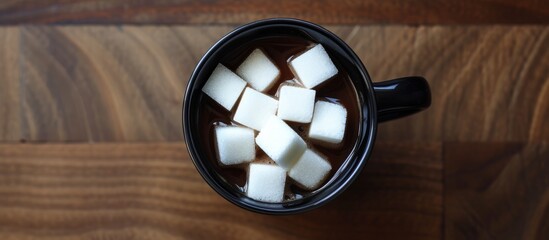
<point x="368" y="123"/>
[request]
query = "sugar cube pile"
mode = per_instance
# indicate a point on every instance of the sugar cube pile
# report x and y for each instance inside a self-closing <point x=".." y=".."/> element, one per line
<point x="224" y="86"/>
<point x="259" y="71"/>
<point x="313" y="67"/>
<point x="262" y="122"/>
<point x="328" y="123"/>
<point x="310" y="169"/>
<point x="255" y="109"/>
<point x="280" y="142"/>
<point x="229" y="136"/>
<point x="266" y="182"/>
<point x="296" y="104"/>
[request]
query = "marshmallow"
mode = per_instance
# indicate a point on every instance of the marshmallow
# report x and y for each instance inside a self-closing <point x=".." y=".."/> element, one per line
<point x="266" y="182"/>
<point x="255" y="109"/>
<point x="280" y="142"/>
<point x="224" y="86"/>
<point x="313" y="67"/>
<point x="328" y="124"/>
<point x="235" y="145"/>
<point x="296" y="104"/>
<point x="310" y="170"/>
<point x="259" y="71"/>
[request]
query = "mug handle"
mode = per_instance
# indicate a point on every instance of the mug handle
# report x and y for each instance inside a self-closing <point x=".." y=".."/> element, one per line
<point x="401" y="97"/>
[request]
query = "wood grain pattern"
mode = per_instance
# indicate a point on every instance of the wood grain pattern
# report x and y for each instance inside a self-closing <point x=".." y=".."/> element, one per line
<point x="108" y="83"/>
<point x="496" y="191"/>
<point x="152" y="191"/>
<point x="231" y="11"/>
<point x="488" y="84"/>
<point x="126" y="83"/>
<point x="10" y="122"/>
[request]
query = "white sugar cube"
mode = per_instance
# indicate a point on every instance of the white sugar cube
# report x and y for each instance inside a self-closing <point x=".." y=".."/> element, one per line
<point x="296" y="104"/>
<point x="266" y="182"/>
<point x="313" y="67"/>
<point x="235" y="145"/>
<point x="328" y="124"/>
<point x="224" y="86"/>
<point x="310" y="170"/>
<point x="280" y="142"/>
<point x="259" y="71"/>
<point x="255" y="109"/>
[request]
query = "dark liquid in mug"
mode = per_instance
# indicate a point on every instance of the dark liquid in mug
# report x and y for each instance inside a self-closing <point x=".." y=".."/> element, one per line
<point x="338" y="89"/>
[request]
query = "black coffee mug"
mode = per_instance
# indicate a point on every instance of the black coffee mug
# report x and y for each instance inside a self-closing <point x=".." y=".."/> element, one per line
<point x="378" y="102"/>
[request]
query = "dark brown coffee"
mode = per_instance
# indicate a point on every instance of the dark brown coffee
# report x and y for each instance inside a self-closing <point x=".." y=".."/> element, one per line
<point x="337" y="89"/>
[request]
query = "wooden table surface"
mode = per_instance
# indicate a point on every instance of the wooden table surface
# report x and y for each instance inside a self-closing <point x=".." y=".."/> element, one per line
<point x="90" y="121"/>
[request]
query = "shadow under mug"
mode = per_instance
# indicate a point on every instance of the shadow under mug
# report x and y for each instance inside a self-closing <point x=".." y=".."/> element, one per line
<point x="377" y="102"/>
